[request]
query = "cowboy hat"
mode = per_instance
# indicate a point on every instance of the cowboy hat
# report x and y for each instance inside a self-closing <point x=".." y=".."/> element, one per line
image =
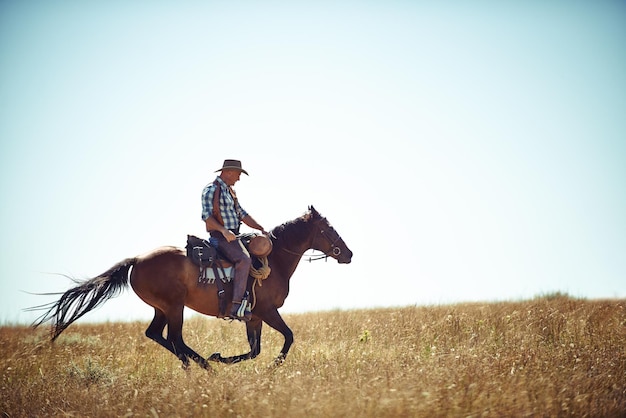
<point x="232" y="165"/>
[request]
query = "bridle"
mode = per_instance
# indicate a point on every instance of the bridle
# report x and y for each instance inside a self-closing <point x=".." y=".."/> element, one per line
<point x="334" y="249"/>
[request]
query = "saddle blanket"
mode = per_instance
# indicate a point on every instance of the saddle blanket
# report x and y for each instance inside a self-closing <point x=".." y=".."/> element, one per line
<point x="225" y="274"/>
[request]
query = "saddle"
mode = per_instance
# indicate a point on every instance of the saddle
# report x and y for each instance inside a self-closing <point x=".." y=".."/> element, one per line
<point x="204" y="254"/>
<point x="215" y="268"/>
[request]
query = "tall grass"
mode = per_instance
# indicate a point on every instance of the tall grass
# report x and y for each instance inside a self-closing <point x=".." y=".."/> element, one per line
<point x="552" y="356"/>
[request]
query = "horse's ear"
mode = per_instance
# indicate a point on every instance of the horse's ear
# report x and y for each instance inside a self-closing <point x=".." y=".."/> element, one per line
<point x="314" y="213"/>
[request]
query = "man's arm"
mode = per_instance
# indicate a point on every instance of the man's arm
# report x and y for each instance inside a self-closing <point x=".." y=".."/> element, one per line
<point x="249" y="220"/>
<point x="213" y="225"/>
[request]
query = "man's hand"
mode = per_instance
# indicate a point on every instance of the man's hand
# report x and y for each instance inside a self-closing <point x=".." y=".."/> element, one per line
<point x="229" y="235"/>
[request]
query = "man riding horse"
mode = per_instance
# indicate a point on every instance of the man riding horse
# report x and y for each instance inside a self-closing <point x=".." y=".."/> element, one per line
<point x="223" y="215"/>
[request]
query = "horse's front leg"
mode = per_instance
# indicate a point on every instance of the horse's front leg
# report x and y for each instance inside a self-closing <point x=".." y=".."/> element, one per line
<point x="274" y="320"/>
<point x="253" y="330"/>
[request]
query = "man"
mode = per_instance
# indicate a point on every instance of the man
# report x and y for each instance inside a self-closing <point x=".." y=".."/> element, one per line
<point x="223" y="215"/>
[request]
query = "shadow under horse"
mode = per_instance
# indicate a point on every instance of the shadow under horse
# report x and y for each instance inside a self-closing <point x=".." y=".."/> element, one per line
<point x="167" y="280"/>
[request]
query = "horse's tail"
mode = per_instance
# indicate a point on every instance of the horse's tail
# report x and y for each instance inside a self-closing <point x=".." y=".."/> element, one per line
<point x="85" y="297"/>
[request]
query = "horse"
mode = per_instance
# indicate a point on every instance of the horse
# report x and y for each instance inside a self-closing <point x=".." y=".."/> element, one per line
<point x="167" y="280"/>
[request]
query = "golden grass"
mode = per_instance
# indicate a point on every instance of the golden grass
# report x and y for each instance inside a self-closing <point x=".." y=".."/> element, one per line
<point x="552" y="356"/>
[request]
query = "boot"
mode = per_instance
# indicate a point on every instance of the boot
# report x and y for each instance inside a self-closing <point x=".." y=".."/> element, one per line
<point x="239" y="296"/>
<point x="241" y="311"/>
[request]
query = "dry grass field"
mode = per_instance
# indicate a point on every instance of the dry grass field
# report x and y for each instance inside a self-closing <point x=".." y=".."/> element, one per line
<point x="551" y="356"/>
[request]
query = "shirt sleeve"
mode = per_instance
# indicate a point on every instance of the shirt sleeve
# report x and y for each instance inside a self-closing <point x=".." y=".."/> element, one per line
<point x="207" y="201"/>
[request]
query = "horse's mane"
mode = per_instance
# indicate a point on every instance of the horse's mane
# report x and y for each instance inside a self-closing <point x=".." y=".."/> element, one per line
<point x="308" y="216"/>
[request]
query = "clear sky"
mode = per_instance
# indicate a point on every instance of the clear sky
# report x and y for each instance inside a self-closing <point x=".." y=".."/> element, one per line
<point x="465" y="150"/>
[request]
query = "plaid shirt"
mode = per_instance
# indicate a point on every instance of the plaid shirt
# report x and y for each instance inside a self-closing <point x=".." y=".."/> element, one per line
<point x="231" y="211"/>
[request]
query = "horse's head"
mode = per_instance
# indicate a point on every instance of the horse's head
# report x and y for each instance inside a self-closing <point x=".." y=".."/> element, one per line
<point x="327" y="240"/>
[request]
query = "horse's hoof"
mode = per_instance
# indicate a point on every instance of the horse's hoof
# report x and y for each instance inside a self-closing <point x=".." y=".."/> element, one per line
<point x="278" y="361"/>
<point x="216" y="357"/>
<point x="206" y="366"/>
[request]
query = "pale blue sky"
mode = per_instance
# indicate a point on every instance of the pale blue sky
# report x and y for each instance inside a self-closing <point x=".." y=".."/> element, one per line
<point x="465" y="151"/>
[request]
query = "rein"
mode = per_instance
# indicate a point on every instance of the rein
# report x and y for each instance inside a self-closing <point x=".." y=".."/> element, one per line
<point x="312" y="257"/>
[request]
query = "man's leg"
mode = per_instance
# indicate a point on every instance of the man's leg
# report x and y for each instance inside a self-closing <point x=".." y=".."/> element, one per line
<point x="238" y="255"/>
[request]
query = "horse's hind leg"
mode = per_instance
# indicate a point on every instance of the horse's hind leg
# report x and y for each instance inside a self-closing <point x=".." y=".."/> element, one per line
<point x="156" y="327"/>
<point x="175" y="340"/>
<point x="155" y="333"/>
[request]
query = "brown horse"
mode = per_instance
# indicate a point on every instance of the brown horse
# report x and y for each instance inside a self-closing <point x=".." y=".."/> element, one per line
<point x="167" y="280"/>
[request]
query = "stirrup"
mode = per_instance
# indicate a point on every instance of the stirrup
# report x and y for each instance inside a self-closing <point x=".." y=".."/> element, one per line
<point x="241" y="311"/>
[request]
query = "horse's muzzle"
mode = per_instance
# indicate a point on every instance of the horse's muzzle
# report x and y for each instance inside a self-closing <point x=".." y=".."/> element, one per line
<point x="345" y="257"/>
